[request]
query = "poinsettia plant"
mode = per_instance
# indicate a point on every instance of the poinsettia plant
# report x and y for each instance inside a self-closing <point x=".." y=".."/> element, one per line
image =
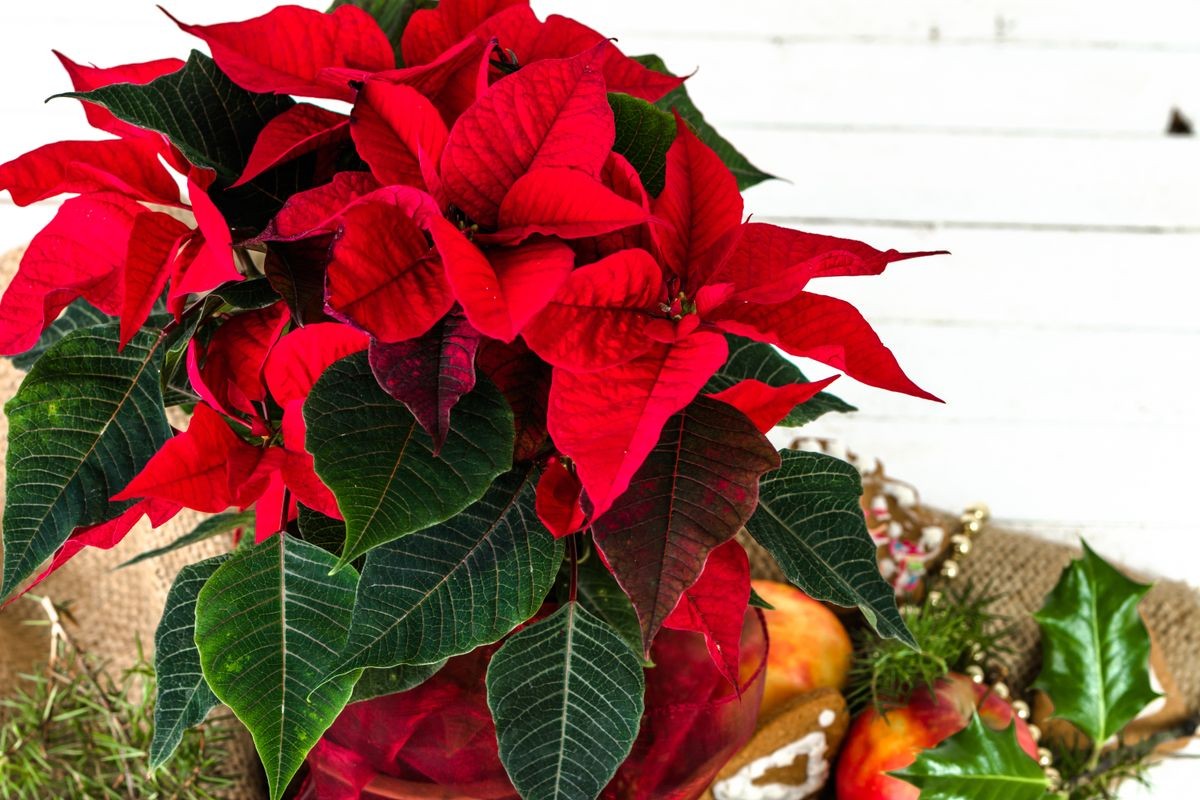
<point x="492" y="306"/>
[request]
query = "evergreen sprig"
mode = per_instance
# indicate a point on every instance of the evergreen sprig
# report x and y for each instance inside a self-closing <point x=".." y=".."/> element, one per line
<point x="73" y="731"/>
<point x="951" y="634"/>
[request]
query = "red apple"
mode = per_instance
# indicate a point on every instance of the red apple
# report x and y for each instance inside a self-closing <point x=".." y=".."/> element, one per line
<point x="810" y="648"/>
<point x="878" y="744"/>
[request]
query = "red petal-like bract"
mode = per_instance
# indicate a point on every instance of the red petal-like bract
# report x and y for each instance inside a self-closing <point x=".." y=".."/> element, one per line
<point x="212" y="264"/>
<point x="766" y="405"/>
<point x="129" y="167"/>
<point x="769" y="264"/>
<point x="524" y="380"/>
<point x="383" y="276"/>
<point x="608" y="421"/>
<point x="620" y="176"/>
<point x="696" y="489"/>
<point x="394" y="128"/>
<point x="431" y="373"/>
<point x="824" y="329"/>
<point x="562" y="36"/>
<point x="699" y="204"/>
<point x="551" y="113"/>
<point x="85" y="79"/>
<point x="81" y="253"/>
<point x="299" y="358"/>
<point x="285" y="50"/>
<point x="500" y="291"/>
<point x="155" y="239"/>
<point x="231" y="375"/>
<point x="598" y="317"/>
<point x="559" y="496"/>
<point x="715" y="606"/>
<point x="202" y="468"/>
<point x="318" y="210"/>
<point x="431" y="32"/>
<point x="565" y="203"/>
<point x="303" y="128"/>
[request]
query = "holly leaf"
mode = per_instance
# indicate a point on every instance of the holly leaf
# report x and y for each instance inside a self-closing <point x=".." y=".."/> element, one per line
<point x="383" y="682"/>
<point x="431" y="373"/>
<point x="225" y="522"/>
<point x="569" y="685"/>
<point x="751" y="360"/>
<point x="977" y="763"/>
<point x="462" y="583"/>
<point x="693" y="493"/>
<point x="80" y="314"/>
<point x="183" y="698"/>
<point x="644" y="134"/>
<point x="380" y="464"/>
<point x="221" y="123"/>
<point x="746" y="173"/>
<point x="1095" y="648"/>
<point x="809" y="519"/>
<point x="87" y="418"/>
<point x="269" y="624"/>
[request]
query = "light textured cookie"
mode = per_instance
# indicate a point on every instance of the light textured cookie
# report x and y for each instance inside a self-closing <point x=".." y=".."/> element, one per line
<point x="791" y="753"/>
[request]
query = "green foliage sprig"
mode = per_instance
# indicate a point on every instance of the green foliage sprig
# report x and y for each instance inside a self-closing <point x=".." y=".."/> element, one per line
<point x="72" y="731"/>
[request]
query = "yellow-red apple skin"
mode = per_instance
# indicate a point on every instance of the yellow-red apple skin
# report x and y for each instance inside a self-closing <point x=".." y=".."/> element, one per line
<point x="810" y="648"/>
<point x="878" y="744"/>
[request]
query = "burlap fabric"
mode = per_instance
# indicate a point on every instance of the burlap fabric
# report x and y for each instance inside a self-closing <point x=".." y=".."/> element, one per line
<point x="1022" y="570"/>
<point x="111" y="607"/>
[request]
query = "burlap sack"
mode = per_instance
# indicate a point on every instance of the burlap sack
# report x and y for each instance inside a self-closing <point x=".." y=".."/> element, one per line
<point x="111" y="607"/>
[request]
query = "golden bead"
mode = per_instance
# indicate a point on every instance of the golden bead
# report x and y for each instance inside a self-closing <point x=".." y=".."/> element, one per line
<point x="1021" y="709"/>
<point x="962" y="544"/>
<point x="978" y="655"/>
<point x="1035" y="732"/>
<point x="1055" y="778"/>
<point x="972" y="525"/>
<point x="1001" y="690"/>
<point x="1045" y="757"/>
<point x="975" y="673"/>
<point x="950" y="569"/>
<point x="979" y="511"/>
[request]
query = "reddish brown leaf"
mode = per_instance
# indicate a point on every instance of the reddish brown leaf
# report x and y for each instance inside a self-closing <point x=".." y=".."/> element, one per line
<point x="524" y="380"/>
<point x="431" y="373"/>
<point x="694" y="492"/>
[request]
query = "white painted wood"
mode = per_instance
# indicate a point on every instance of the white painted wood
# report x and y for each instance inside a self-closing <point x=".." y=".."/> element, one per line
<point x="1147" y="23"/>
<point x="978" y="180"/>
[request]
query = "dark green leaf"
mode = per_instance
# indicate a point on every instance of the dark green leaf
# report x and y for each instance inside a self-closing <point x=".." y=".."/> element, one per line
<point x="447" y="589"/>
<point x="269" y="625"/>
<point x="392" y="16"/>
<point x="751" y="360"/>
<point x="86" y="419"/>
<point x="247" y="295"/>
<point x="183" y="697"/>
<point x="644" y="135"/>
<point x="746" y="173"/>
<point x="78" y="315"/>
<point x="214" y="525"/>
<point x="598" y="591"/>
<point x="566" y="695"/>
<point x="977" y="763"/>
<point x="809" y="519"/>
<point x="1095" y="648"/>
<point x="213" y="121"/>
<point x="325" y="532"/>
<point x="382" y="682"/>
<point x="379" y="461"/>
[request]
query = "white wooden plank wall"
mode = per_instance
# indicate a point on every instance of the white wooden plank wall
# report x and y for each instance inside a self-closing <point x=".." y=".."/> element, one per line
<point x="1026" y="136"/>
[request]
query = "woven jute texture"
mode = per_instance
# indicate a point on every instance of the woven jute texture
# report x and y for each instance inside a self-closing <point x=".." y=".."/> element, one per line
<point x="1021" y="570"/>
<point x="113" y="608"/>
